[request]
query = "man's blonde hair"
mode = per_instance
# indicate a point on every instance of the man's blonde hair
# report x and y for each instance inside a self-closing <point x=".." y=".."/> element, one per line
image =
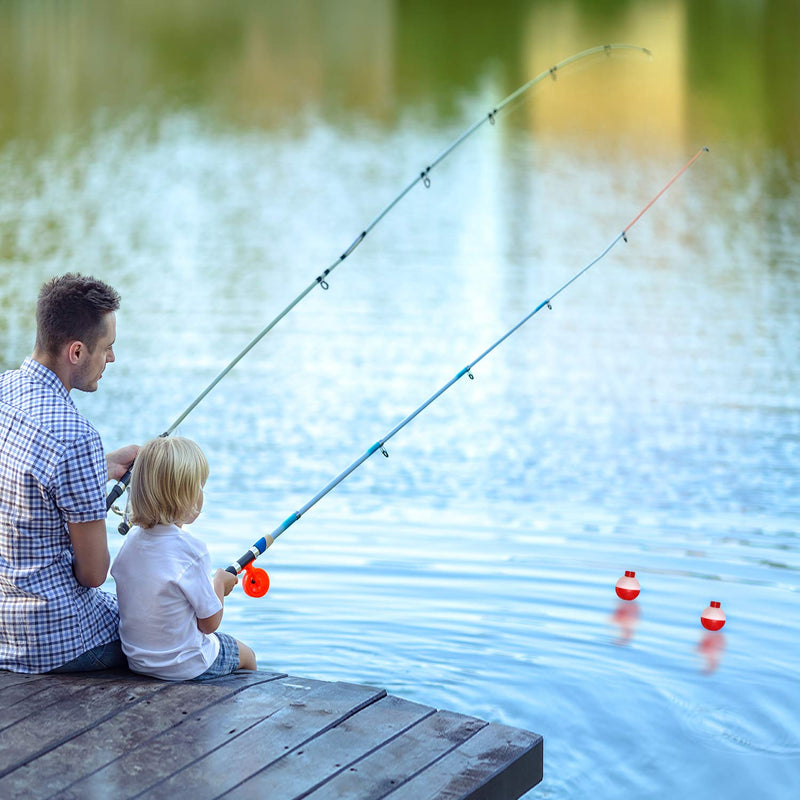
<point x="167" y="481"/>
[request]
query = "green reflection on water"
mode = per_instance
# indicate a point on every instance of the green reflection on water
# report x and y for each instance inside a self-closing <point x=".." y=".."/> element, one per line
<point x="743" y="69"/>
<point x="249" y="63"/>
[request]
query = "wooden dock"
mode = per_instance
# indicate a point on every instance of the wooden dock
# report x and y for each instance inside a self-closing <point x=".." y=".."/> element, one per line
<point x="119" y="735"/>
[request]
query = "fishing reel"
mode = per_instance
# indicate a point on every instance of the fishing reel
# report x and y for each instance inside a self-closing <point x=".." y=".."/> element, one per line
<point x="125" y="513"/>
<point x="255" y="581"/>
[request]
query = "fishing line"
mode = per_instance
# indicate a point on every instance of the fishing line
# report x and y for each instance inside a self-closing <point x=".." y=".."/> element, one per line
<point x="424" y="177"/>
<point x="256" y="581"/>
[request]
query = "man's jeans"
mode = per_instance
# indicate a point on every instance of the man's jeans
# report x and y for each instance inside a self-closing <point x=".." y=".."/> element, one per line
<point x="104" y="656"/>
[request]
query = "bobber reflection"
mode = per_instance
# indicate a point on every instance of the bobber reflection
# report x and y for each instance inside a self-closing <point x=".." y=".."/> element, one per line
<point x="711" y="647"/>
<point x="626" y="617"/>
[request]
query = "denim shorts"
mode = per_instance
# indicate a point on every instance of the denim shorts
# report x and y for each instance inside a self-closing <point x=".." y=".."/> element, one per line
<point x="104" y="656"/>
<point x="227" y="660"/>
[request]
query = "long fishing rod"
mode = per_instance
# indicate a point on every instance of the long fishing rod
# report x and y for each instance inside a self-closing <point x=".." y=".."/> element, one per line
<point x="424" y="177"/>
<point x="256" y="581"/>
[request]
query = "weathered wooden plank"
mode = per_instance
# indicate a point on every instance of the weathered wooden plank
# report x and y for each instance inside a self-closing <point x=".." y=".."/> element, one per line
<point x="16" y="687"/>
<point x="290" y="727"/>
<point x="121" y="735"/>
<point x="26" y="699"/>
<point x="498" y="762"/>
<point x="93" y="749"/>
<point x="306" y="767"/>
<point x="193" y="738"/>
<point x="51" y="726"/>
<point x="8" y="679"/>
<point x="12" y="694"/>
<point x="390" y="766"/>
<point x="29" y="699"/>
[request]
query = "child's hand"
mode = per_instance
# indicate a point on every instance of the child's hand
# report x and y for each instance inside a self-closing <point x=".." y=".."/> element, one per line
<point x="224" y="581"/>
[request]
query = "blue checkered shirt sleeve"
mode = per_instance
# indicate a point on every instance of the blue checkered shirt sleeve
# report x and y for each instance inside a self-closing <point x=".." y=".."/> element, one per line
<point x="79" y="480"/>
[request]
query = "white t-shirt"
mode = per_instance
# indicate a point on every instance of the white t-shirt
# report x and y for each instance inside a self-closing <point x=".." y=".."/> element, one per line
<point x="164" y="586"/>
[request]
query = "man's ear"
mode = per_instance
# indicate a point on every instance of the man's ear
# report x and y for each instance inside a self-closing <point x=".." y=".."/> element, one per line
<point x="74" y="351"/>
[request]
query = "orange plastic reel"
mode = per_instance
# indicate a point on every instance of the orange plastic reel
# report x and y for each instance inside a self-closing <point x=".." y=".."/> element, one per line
<point x="255" y="581"/>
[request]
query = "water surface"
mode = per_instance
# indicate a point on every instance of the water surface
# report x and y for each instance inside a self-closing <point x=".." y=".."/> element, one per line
<point x="210" y="166"/>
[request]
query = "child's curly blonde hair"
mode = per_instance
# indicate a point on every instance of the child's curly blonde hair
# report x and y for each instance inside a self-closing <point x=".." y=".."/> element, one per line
<point x="167" y="482"/>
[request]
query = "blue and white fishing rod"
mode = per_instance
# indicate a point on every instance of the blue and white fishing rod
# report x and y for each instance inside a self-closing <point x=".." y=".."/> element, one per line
<point x="256" y="581"/>
<point x="424" y="176"/>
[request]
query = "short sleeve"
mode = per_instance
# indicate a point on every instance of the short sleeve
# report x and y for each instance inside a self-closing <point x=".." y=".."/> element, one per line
<point x="80" y="478"/>
<point x="198" y="589"/>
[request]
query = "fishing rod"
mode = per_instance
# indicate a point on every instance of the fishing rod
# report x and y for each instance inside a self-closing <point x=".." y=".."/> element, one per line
<point x="424" y="177"/>
<point x="256" y="581"/>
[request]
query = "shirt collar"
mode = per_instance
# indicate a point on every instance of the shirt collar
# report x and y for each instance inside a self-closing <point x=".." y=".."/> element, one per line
<point x="39" y="372"/>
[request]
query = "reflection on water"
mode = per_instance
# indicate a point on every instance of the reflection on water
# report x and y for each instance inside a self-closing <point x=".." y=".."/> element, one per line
<point x="626" y="617"/>
<point x="722" y="72"/>
<point x="210" y="165"/>
<point x="711" y="647"/>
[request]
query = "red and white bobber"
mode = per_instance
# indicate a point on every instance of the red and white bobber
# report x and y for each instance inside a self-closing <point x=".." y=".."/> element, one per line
<point x="628" y="587"/>
<point x="713" y="618"/>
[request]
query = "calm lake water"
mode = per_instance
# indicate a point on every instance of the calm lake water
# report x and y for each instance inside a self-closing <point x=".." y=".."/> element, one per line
<point x="211" y="160"/>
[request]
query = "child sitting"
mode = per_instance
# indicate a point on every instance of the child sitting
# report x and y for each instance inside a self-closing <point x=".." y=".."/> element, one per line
<point x="169" y="608"/>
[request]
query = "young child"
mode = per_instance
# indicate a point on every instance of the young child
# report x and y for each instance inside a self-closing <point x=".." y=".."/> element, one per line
<point x="168" y="606"/>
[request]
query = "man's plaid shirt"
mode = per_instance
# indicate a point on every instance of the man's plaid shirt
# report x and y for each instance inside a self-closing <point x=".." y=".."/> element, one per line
<point x="52" y="471"/>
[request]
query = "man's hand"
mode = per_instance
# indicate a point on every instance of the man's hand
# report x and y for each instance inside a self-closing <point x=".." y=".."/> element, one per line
<point x="120" y="460"/>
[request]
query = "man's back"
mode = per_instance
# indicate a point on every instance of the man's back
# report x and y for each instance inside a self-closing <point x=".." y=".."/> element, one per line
<point x="52" y="471"/>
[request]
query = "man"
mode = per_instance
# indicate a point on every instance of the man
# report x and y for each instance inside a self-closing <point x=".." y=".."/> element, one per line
<point x="53" y="474"/>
